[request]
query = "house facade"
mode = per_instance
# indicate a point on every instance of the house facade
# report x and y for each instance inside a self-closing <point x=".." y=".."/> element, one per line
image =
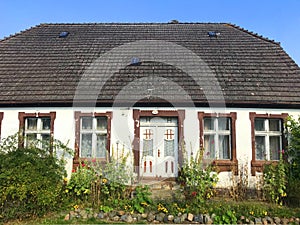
<point x="159" y="92"/>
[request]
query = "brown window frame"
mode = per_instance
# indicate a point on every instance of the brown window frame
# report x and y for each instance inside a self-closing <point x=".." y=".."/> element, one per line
<point x="222" y="165"/>
<point x="258" y="165"/>
<point x="1" y="118"/>
<point x="22" y="116"/>
<point x="77" y="115"/>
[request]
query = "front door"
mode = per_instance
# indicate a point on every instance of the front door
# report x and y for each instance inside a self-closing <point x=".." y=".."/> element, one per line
<point x="159" y="147"/>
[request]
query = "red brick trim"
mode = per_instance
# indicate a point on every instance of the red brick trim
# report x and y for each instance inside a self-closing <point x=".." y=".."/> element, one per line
<point x="77" y="116"/>
<point x="22" y="116"/>
<point x="222" y="165"/>
<point x="257" y="165"/>
<point x="180" y="114"/>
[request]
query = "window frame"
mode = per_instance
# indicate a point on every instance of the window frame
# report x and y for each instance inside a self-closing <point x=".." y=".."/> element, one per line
<point x="23" y="116"/>
<point x="257" y="164"/>
<point x="222" y="165"/>
<point x="78" y="115"/>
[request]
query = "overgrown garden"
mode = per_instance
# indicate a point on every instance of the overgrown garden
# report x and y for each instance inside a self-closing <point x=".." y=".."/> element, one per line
<point x="33" y="183"/>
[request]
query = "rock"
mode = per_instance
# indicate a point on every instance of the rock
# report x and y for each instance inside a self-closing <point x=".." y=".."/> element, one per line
<point x="127" y="218"/>
<point x="83" y="214"/>
<point x="121" y="213"/>
<point x="197" y="218"/>
<point x="239" y="222"/>
<point x="160" y="217"/>
<point x="207" y="219"/>
<point x="190" y="217"/>
<point x="270" y="220"/>
<point x="123" y="218"/>
<point x="67" y="217"/>
<point x="170" y="218"/>
<point x="285" y="221"/>
<point x="257" y="220"/>
<point x="277" y="220"/>
<point x="264" y="221"/>
<point x="251" y="222"/>
<point x="150" y="217"/>
<point x="144" y="215"/>
<point x="116" y="218"/>
<point x="177" y="219"/>
<point x="183" y="217"/>
<point x="165" y="220"/>
<point x="247" y="221"/>
<point x="100" y="215"/>
<point x="72" y="215"/>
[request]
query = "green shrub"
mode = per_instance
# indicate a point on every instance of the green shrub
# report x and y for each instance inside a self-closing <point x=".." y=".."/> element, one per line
<point x="293" y="156"/>
<point x="197" y="181"/>
<point x="98" y="183"/>
<point x="275" y="181"/>
<point x="31" y="178"/>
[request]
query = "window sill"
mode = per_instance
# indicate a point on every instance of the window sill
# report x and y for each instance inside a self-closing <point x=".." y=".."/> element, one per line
<point x="226" y="165"/>
<point x="258" y="165"/>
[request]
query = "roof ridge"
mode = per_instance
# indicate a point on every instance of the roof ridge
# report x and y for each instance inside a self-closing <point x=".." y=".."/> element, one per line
<point x="131" y="23"/>
<point x="254" y="34"/>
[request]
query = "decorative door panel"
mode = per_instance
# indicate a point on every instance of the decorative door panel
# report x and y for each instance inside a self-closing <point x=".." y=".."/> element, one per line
<point x="158" y="146"/>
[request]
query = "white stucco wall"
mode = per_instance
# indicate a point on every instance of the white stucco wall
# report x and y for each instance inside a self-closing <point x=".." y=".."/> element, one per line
<point x="123" y="124"/>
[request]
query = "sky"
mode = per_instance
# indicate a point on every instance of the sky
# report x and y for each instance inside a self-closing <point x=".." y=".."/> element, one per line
<point x="277" y="20"/>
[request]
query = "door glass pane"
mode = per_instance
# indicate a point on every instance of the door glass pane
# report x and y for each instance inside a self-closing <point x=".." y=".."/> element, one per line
<point x="147" y="147"/>
<point x="101" y="146"/>
<point x="224" y="147"/>
<point x="31" y="123"/>
<point x="209" y="124"/>
<point x="260" y="147"/>
<point x="274" y="147"/>
<point x="87" y="123"/>
<point x="259" y="124"/>
<point x="209" y="146"/>
<point x="169" y="147"/>
<point x="86" y="145"/>
<point x="101" y="123"/>
<point x="45" y="123"/>
<point x="274" y="125"/>
<point x="223" y="123"/>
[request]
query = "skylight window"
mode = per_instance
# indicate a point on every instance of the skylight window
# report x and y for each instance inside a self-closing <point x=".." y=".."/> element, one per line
<point x="213" y="34"/>
<point x="135" y="61"/>
<point x="63" y="34"/>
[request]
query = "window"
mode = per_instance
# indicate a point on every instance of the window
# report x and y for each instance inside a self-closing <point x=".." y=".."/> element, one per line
<point x="36" y="126"/>
<point x="218" y="138"/>
<point x="267" y="139"/>
<point x="92" y="136"/>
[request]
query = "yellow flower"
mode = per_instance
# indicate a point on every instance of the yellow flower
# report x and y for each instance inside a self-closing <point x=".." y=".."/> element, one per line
<point x="265" y="213"/>
<point x="104" y="180"/>
<point x="76" y="207"/>
<point x="65" y="179"/>
<point x="251" y="213"/>
<point x="66" y="190"/>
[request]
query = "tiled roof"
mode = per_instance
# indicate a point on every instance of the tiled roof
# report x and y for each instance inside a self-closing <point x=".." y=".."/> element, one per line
<point x="37" y="67"/>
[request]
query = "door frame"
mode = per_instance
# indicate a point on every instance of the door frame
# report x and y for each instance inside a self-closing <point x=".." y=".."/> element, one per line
<point x="137" y="114"/>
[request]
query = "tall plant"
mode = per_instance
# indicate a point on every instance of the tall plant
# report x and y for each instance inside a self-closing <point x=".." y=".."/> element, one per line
<point x="196" y="179"/>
